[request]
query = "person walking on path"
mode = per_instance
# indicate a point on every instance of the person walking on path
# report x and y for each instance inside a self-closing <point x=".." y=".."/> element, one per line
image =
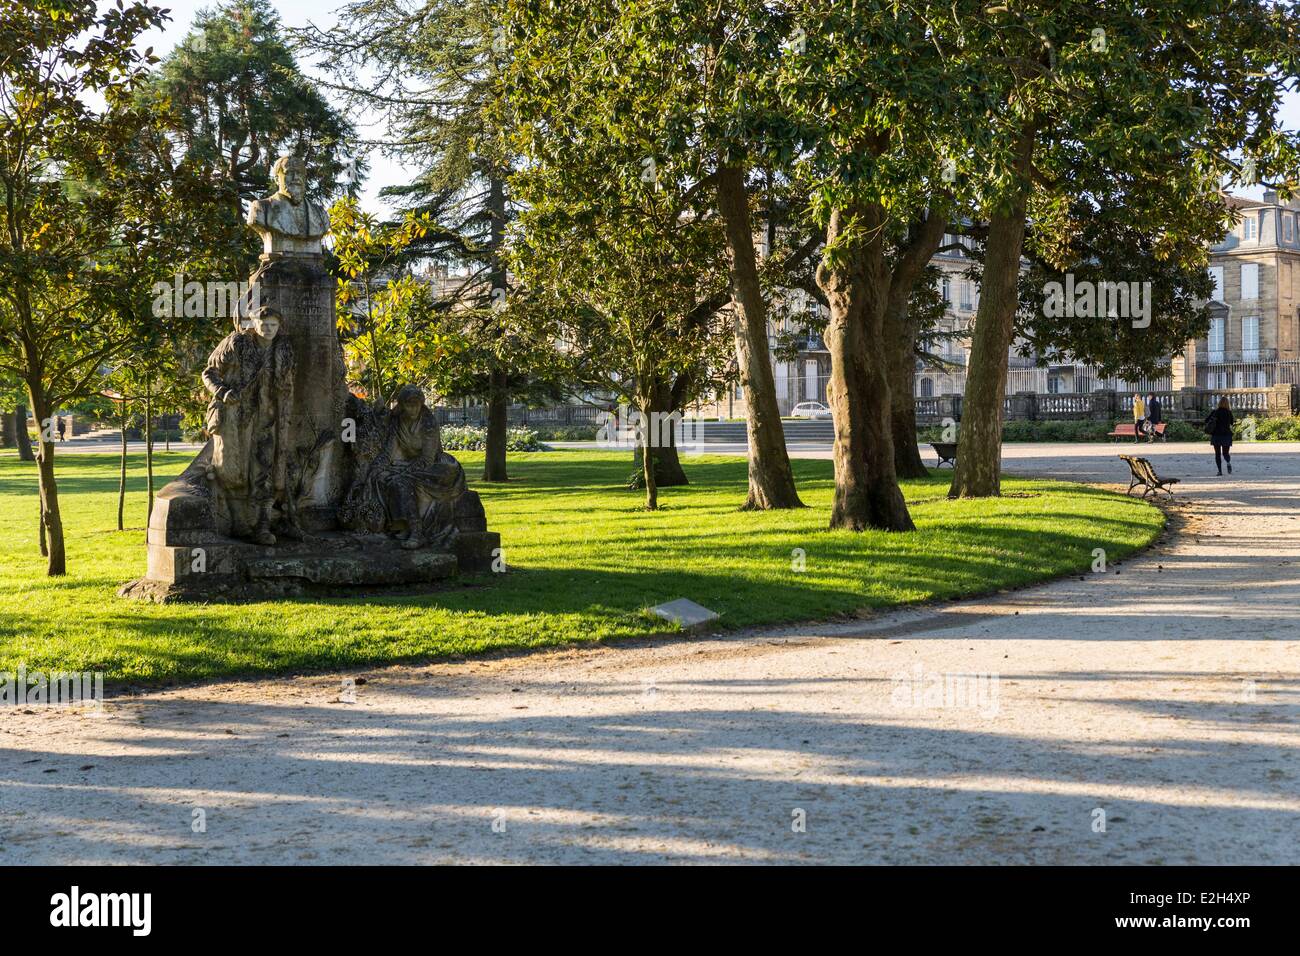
<point x="1219" y="425"/>
<point x="1139" y="417"/>
<point x="1154" y="415"/>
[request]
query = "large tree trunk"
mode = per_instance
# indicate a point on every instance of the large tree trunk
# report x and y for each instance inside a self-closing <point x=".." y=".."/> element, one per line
<point x="121" y="478"/>
<point x="8" y="430"/>
<point x="51" y="518"/>
<point x="979" y="445"/>
<point x="771" y="481"/>
<point x="924" y="237"/>
<point x="866" y="488"/>
<point x="25" y="452"/>
<point x="494" y="458"/>
<point x="900" y="338"/>
<point x="498" y="425"/>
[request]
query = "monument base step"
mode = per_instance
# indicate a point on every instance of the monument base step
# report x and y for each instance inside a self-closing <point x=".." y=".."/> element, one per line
<point x="336" y="565"/>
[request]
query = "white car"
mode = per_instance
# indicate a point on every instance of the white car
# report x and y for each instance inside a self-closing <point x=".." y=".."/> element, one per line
<point x="814" y="410"/>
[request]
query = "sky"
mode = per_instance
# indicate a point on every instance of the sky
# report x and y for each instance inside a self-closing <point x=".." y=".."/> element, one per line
<point x="384" y="171"/>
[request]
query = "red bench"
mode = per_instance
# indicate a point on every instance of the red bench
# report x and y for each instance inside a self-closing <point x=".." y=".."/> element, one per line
<point x="1129" y="430"/>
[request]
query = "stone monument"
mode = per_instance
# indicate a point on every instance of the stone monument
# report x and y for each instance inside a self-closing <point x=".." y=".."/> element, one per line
<point x="303" y="487"/>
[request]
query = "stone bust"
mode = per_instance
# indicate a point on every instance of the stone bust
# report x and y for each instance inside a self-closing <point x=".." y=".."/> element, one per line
<point x="288" y="222"/>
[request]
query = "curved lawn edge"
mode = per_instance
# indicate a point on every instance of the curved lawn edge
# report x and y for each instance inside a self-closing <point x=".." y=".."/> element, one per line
<point x="587" y="563"/>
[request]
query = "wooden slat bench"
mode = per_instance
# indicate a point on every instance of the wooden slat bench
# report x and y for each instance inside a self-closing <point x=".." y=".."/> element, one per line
<point x="947" y="452"/>
<point x="1144" y="476"/>
<point x="1129" y="430"/>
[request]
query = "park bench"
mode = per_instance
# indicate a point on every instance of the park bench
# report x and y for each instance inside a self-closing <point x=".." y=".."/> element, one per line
<point x="1129" y="430"/>
<point x="947" y="452"/>
<point x="1144" y="476"/>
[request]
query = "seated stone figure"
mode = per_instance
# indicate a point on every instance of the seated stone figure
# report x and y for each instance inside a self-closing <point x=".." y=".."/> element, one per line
<point x="404" y="482"/>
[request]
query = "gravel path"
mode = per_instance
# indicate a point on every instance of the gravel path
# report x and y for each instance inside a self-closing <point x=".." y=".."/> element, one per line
<point x="1162" y="698"/>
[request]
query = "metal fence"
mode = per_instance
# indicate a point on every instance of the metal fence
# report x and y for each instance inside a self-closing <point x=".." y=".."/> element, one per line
<point x="521" y="415"/>
<point x="1184" y="404"/>
<point x="1240" y="374"/>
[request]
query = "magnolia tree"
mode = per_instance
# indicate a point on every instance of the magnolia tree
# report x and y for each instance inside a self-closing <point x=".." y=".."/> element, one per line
<point x="1114" y="130"/>
<point x="69" y="123"/>
<point x="880" y="104"/>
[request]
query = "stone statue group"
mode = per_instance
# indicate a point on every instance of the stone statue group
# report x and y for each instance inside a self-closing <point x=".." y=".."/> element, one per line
<point x="303" y="486"/>
<point x="402" y="482"/>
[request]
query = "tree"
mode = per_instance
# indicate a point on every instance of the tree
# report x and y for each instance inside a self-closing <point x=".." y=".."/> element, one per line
<point x="61" y="163"/>
<point x="1145" y="111"/>
<point x="877" y="100"/>
<point x="164" y="231"/>
<point x="684" y="82"/>
<point x="627" y="287"/>
<point x="1162" y="278"/>
<point x="434" y="70"/>
<point x="13" y="418"/>
<point x="239" y="101"/>
<point x="911" y="307"/>
<point x="375" y="304"/>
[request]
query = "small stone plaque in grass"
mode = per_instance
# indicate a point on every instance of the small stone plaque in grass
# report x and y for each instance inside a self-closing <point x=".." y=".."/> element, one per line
<point x="685" y="612"/>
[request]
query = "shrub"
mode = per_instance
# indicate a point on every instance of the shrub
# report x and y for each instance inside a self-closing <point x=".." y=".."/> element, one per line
<point x="1286" y="428"/>
<point x="474" y="438"/>
<point x="567" y="433"/>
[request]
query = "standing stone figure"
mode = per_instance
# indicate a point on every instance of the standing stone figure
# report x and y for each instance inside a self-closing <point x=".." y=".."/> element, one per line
<point x="250" y="376"/>
<point x="410" y="486"/>
<point x="288" y="222"/>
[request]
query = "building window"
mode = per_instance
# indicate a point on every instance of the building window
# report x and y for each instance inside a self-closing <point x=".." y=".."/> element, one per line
<point x="1249" y="228"/>
<point x="1288" y="227"/>
<point x="1216" y="276"/>
<point x="1250" y="338"/>
<point x="1216" y="340"/>
<point x="927" y="388"/>
<point x="945" y="289"/>
<point x="967" y="303"/>
<point x="1249" y="281"/>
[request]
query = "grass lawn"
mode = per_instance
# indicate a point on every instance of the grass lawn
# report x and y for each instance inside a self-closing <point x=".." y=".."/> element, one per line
<point x="585" y="563"/>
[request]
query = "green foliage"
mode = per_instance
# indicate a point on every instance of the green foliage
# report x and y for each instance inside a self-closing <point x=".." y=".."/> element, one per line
<point x="384" y="312"/>
<point x="240" y="101"/>
<point x="474" y="438"/>
<point x="432" y="70"/>
<point x="1285" y="428"/>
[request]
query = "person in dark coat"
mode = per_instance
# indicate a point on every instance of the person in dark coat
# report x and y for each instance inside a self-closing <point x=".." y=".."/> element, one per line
<point x="1219" y="424"/>
<point x="1154" y="412"/>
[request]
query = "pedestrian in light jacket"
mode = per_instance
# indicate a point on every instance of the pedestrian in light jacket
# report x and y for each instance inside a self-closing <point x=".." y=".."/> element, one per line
<point x="1139" y="417"/>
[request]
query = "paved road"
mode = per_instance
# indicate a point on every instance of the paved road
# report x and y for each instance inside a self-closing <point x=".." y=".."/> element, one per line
<point x="1162" y="699"/>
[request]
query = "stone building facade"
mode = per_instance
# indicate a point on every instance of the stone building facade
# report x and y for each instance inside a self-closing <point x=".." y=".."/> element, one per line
<point x="1254" y="337"/>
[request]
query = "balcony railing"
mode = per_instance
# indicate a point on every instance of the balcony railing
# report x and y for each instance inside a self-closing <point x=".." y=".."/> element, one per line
<point x="1220" y="356"/>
